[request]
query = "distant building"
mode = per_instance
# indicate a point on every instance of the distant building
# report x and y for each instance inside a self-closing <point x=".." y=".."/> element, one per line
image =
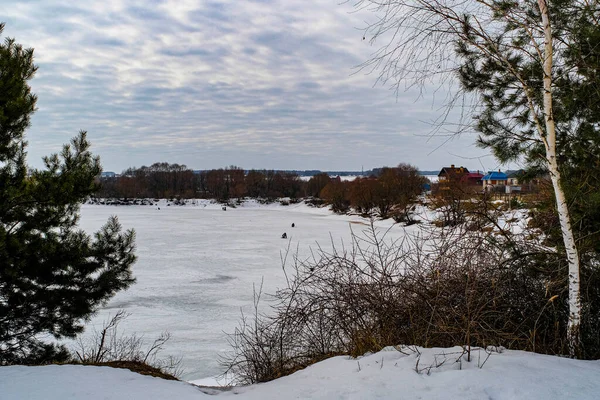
<point x="493" y="179"/>
<point x="514" y="176"/>
<point x="460" y="174"/>
<point x="473" y="178"/>
<point x="452" y="173"/>
<point x="108" y="174"/>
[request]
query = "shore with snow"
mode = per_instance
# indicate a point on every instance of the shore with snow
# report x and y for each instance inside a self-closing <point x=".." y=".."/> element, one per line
<point x="388" y="374"/>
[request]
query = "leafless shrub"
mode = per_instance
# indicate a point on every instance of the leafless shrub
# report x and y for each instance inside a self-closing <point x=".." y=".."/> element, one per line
<point x="108" y="346"/>
<point x="450" y="359"/>
<point x="438" y="288"/>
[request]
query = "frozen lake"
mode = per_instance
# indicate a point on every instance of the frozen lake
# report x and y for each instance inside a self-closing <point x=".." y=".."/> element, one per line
<point x="197" y="265"/>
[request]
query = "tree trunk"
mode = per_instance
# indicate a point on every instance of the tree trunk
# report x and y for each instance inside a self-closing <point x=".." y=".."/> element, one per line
<point x="573" y="327"/>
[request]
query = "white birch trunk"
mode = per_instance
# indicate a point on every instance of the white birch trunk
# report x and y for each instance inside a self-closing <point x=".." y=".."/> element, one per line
<point x="549" y="139"/>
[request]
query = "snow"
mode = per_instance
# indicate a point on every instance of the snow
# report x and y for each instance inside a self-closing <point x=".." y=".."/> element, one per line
<point x="196" y="269"/>
<point x="384" y="375"/>
<point x="197" y="266"/>
<point x="342" y="177"/>
<point x="432" y="178"/>
<point x="514" y="221"/>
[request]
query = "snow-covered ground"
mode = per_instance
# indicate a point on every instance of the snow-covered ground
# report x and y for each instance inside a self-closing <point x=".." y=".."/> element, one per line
<point x="432" y="178"/>
<point x="196" y="269"/>
<point x="389" y="374"/>
<point x="343" y="177"/>
<point x="197" y="266"/>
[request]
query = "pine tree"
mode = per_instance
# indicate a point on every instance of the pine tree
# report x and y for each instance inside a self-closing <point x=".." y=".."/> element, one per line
<point x="52" y="275"/>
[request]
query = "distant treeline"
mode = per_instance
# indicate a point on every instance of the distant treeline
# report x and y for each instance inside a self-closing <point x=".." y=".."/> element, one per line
<point x="392" y="188"/>
<point x="164" y="180"/>
<point x="313" y="172"/>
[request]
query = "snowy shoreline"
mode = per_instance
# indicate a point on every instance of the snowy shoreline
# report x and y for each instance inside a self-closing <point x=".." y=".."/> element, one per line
<point x="388" y="374"/>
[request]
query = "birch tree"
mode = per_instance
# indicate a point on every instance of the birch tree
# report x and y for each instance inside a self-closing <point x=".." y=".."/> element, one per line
<point x="519" y="62"/>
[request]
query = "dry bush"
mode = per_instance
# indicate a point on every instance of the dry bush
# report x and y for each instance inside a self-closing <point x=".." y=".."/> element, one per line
<point x="109" y="347"/>
<point x="439" y="288"/>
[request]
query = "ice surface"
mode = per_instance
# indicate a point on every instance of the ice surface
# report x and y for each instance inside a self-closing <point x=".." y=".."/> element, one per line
<point x="197" y="266"/>
<point x="195" y="271"/>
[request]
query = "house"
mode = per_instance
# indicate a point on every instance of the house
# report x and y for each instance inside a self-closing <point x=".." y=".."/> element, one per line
<point x="460" y="174"/>
<point x="513" y="177"/>
<point x="473" y="178"/>
<point x="452" y="173"/>
<point x="494" y="179"/>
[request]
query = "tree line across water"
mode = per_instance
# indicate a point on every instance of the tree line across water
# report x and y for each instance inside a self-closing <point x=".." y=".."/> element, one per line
<point x="384" y="193"/>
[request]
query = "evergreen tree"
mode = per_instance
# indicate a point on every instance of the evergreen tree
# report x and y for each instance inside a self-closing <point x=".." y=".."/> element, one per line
<point x="52" y="275"/>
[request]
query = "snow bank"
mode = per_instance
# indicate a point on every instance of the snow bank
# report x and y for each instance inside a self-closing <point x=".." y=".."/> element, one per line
<point x="63" y="382"/>
<point x="385" y="375"/>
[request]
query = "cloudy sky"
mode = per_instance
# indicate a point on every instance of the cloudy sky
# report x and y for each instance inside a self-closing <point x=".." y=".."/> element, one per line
<point x="211" y="83"/>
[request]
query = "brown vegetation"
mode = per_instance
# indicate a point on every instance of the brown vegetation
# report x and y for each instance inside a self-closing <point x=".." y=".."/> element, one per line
<point x="388" y="195"/>
<point x="443" y="287"/>
<point x="137" y="367"/>
<point x="163" y="180"/>
<point x="108" y="347"/>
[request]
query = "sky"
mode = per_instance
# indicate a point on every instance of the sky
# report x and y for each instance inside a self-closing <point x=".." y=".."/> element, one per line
<point x="211" y="83"/>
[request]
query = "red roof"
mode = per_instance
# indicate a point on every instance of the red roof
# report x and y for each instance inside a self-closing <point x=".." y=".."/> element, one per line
<point x="474" y="175"/>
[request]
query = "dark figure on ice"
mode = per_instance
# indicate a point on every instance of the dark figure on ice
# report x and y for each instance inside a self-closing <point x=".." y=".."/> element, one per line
<point x="224" y="208"/>
<point x="293" y="225"/>
<point x="284" y="236"/>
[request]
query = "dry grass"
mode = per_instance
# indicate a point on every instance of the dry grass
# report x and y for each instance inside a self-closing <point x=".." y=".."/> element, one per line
<point x="108" y="347"/>
<point x="137" y="367"/>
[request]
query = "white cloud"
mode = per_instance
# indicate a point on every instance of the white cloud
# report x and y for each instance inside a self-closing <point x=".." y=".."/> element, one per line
<point x="267" y="83"/>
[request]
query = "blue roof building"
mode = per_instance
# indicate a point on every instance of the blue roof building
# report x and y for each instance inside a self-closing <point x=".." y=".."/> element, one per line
<point x="494" y="178"/>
